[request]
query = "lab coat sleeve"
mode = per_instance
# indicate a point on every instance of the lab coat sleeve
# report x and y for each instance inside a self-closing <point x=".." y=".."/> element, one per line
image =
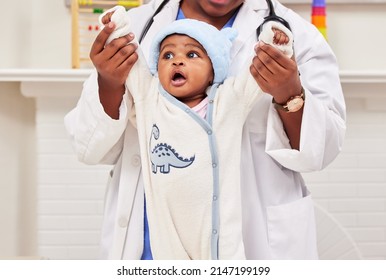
<point x="323" y="124"/>
<point x="95" y="136"/>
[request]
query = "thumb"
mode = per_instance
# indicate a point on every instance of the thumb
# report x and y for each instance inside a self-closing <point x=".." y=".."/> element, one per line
<point x="109" y="28"/>
<point x="106" y="18"/>
<point x="100" y="40"/>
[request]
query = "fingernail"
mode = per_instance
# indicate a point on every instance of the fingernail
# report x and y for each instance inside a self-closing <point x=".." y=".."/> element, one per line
<point x="110" y="25"/>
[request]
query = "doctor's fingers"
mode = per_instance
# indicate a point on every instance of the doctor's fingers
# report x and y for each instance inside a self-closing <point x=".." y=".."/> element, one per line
<point x="268" y="80"/>
<point x="107" y="18"/>
<point x="271" y="55"/>
<point x="265" y="63"/>
<point x="259" y="78"/>
<point x="122" y="50"/>
<point x="272" y="61"/>
<point x="118" y="66"/>
<point x="265" y="66"/>
<point x="114" y="53"/>
<point x="100" y="40"/>
<point x="123" y="62"/>
<point x="120" y="47"/>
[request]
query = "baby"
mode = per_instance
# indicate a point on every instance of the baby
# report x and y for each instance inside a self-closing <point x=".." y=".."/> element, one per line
<point x="189" y="118"/>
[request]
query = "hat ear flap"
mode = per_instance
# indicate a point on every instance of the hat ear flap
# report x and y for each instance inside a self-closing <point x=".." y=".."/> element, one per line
<point x="230" y="33"/>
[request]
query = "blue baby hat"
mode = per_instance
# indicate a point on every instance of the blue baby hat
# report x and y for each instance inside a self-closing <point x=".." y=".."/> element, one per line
<point x="217" y="44"/>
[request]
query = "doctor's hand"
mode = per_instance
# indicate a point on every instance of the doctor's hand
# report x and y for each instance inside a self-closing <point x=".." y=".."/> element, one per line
<point x="113" y="63"/>
<point x="275" y="73"/>
<point x="107" y="18"/>
<point x="278" y="75"/>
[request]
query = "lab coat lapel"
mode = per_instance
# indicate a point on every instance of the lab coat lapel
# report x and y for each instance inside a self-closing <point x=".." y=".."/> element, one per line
<point x="166" y="16"/>
<point x="249" y="17"/>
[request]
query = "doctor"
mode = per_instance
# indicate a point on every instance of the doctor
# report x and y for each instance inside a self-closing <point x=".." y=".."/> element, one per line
<point x="298" y="127"/>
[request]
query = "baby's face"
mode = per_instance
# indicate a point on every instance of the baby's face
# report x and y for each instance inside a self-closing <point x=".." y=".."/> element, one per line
<point x="184" y="68"/>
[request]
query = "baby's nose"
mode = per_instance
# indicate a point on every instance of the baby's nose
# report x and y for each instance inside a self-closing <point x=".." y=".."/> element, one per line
<point x="178" y="63"/>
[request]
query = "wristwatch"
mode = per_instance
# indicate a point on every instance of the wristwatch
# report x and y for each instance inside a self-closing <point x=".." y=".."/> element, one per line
<point x="294" y="104"/>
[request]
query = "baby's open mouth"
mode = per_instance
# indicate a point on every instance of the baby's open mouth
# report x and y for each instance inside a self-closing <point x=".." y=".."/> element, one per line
<point x="178" y="79"/>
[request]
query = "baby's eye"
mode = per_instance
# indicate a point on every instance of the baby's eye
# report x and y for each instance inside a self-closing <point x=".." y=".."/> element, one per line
<point x="192" y="55"/>
<point x="168" y="55"/>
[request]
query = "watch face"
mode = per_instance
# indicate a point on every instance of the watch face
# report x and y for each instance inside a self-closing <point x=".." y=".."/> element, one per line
<point x="295" y="104"/>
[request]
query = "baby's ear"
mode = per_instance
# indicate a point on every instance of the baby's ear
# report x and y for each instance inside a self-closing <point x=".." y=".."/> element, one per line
<point x="230" y="33"/>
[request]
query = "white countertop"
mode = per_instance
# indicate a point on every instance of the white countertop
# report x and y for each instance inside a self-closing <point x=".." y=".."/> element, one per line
<point x="356" y="84"/>
<point x="44" y="75"/>
<point x="79" y="75"/>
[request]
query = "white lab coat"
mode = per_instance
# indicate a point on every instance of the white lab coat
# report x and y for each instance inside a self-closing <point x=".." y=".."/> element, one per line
<point x="278" y="217"/>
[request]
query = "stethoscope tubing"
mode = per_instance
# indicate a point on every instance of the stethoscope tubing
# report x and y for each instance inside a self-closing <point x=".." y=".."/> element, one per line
<point x="271" y="17"/>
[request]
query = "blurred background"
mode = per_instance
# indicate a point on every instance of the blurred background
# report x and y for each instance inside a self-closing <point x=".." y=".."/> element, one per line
<point x="51" y="205"/>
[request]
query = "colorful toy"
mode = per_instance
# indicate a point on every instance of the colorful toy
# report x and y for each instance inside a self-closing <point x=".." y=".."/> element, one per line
<point x="85" y="26"/>
<point x="318" y="17"/>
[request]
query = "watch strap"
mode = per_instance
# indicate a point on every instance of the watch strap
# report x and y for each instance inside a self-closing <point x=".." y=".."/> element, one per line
<point x="284" y="107"/>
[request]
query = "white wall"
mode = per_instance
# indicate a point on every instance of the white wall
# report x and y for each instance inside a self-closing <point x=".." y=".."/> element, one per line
<point x="38" y="34"/>
<point x="70" y="198"/>
<point x="40" y="37"/>
<point x="353" y="188"/>
<point x="351" y="29"/>
<point x="17" y="173"/>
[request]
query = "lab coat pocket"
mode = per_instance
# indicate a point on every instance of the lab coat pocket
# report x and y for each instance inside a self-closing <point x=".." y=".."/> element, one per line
<point x="292" y="230"/>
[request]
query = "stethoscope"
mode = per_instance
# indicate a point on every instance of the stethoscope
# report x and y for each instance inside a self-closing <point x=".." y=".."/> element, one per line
<point x="271" y="17"/>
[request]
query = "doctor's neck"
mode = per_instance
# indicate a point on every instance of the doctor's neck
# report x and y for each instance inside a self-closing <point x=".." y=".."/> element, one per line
<point x="215" y="14"/>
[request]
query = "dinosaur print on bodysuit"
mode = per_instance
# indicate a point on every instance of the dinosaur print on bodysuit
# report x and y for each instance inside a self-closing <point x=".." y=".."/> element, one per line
<point x="163" y="156"/>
